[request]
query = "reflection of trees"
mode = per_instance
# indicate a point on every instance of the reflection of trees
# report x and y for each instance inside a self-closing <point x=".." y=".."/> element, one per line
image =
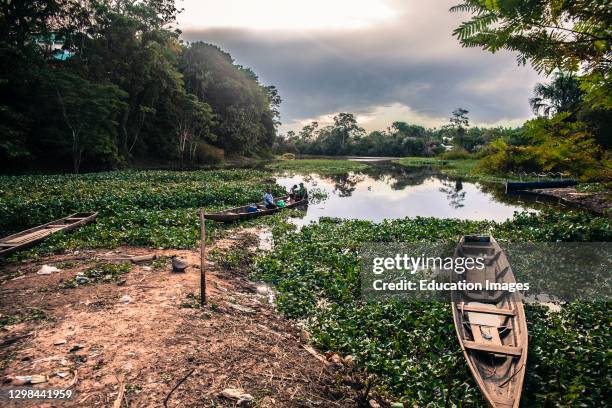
<point x="454" y="192"/>
<point x="519" y="198"/>
<point x="399" y="177"/>
<point x="345" y="183"/>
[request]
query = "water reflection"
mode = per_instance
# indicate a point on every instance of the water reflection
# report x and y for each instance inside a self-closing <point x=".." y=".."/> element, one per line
<point x="454" y="194"/>
<point x="389" y="191"/>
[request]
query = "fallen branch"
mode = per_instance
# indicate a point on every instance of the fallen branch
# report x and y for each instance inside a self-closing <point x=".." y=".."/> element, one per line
<point x="316" y="355"/>
<point x="74" y="379"/>
<point x="176" y="386"/>
<point x="133" y="259"/>
<point x="119" y="399"/>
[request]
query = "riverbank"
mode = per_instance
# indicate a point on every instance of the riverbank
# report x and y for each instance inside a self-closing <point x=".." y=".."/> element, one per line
<point x="596" y="201"/>
<point x="319" y="166"/>
<point x="141" y="336"/>
<point x="593" y="197"/>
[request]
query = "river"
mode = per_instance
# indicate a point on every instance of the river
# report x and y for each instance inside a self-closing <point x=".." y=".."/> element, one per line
<point x="386" y="190"/>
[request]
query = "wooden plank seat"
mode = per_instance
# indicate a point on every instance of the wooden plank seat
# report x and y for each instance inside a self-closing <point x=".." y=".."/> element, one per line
<point x="479" y="309"/>
<point x="494" y="348"/>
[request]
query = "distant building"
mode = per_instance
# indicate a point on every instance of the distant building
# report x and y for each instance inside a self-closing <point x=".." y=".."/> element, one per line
<point x="53" y="45"/>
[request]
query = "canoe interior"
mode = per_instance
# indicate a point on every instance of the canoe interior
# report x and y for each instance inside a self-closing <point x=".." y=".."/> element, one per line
<point x="491" y="326"/>
<point x="34" y="235"/>
<point x="236" y="213"/>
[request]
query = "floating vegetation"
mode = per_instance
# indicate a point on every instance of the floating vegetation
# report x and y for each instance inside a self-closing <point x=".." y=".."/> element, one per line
<point x="319" y="166"/>
<point x="30" y="315"/>
<point x="412" y="347"/>
<point x="138" y="208"/>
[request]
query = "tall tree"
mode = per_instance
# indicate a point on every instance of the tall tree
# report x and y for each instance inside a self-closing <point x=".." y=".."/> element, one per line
<point x="242" y="106"/>
<point x="346" y="126"/>
<point x="459" y="122"/>
<point x="88" y="110"/>
<point x="562" y="94"/>
<point x="193" y="123"/>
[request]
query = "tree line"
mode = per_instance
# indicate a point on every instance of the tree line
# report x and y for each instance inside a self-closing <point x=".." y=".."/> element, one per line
<point x="107" y="83"/>
<point x="345" y="137"/>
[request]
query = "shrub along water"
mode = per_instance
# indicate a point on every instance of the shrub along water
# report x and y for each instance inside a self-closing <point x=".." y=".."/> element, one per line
<point x="412" y="347"/>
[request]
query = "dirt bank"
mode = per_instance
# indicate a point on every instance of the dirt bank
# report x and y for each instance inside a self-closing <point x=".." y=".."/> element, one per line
<point x="145" y="333"/>
<point x="599" y="202"/>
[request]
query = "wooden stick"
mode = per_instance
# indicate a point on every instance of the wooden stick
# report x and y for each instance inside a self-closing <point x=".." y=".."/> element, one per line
<point x="202" y="255"/>
<point x="177" y="385"/>
<point x="119" y="399"/>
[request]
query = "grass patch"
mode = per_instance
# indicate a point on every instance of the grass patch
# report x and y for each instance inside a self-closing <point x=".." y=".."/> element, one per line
<point x="595" y="187"/>
<point x="231" y="259"/>
<point x="31" y="315"/>
<point x="465" y="169"/>
<point x="319" y="166"/>
<point x="192" y="301"/>
<point x="101" y="273"/>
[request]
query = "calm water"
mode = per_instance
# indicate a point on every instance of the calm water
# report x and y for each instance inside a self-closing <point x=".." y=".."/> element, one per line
<point x="389" y="191"/>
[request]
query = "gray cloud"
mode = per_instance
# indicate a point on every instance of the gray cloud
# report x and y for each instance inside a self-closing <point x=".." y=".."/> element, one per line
<point x="412" y="60"/>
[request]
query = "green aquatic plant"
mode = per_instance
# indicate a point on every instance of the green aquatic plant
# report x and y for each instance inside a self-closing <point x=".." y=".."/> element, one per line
<point x="139" y="208"/>
<point x="319" y="166"/>
<point x="412" y="347"/>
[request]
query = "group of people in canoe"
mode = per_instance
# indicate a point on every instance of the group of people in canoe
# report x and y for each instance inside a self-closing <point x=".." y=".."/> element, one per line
<point x="297" y="193"/>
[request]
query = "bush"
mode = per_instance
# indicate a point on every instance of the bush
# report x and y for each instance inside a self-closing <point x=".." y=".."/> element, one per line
<point x="458" y="153"/>
<point x="557" y="146"/>
<point x="209" y="154"/>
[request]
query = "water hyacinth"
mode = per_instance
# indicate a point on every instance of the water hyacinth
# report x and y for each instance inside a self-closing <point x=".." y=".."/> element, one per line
<point x="412" y="347"/>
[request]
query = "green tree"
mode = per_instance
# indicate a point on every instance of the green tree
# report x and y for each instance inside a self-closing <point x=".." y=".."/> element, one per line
<point x="193" y="122"/>
<point x="245" y="120"/>
<point x="571" y="36"/>
<point x="459" y="122"/>
<point x="88" y="111"/>
<point x="346" y="127"/>
<point x="562" y="94"/>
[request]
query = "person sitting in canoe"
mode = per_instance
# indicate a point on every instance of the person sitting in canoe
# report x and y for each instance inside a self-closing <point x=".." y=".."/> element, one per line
<point x="293" y="193"/>
<point x="302" y="193"/>
<point x="269" y="199"/>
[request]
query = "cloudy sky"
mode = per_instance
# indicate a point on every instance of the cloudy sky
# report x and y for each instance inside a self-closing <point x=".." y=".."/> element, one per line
<point x="383" y="60"/>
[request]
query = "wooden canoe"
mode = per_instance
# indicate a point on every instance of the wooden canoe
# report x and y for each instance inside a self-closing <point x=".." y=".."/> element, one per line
<point x="526" y="185"/>
<point x="240" y="213"/>
<point x="37" y="234"/>
<point x="491" y="325"/>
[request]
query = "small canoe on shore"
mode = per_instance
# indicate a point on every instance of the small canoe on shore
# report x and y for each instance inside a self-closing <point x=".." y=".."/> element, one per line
<point x="527" y="185"/>
<point x="37" y="234"/>
<point x="491" y="324"/>
<point x="240" y="213"/>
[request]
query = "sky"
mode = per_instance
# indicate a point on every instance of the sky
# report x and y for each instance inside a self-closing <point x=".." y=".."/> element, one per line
<point x="383" y="60"/>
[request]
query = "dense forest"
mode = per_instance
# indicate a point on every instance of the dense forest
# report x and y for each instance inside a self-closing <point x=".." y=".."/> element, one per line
<point x="108" y="83"/>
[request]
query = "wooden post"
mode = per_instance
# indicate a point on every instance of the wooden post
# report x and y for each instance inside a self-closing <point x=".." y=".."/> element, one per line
<point x="202" y="256"/>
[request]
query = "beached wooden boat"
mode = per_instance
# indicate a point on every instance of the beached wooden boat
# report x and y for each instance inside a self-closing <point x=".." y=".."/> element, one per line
<point x="37" y="234"/>
<point x="491" y="325"/>
<point x="240" y="213"/>
<point x="527" y="185"/>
